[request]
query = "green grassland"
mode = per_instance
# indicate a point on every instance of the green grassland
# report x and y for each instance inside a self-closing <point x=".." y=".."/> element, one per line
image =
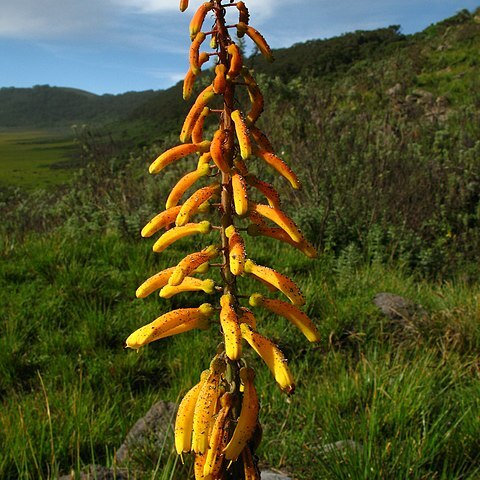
<point x="35" y="158"/>
<point x="408" y="395"/>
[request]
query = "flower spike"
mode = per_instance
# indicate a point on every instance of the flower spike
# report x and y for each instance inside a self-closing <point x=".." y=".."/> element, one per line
<point x="218" y="418"/>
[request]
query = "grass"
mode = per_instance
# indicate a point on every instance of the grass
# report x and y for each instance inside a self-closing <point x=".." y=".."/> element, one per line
<point x="407" y="397"/>
<point x="35" y="158"/>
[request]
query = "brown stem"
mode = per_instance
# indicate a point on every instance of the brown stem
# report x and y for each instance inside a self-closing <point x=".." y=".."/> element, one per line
<point x="230" y="284"/>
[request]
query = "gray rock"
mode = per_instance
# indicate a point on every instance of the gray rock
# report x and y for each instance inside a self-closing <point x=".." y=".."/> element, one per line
<point x="149" y="433"/>
<point x="396" y="307"/>
<point x="269" y="475"/>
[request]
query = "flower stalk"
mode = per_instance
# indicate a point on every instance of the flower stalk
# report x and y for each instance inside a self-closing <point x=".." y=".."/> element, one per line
<point x="218" y="419"/>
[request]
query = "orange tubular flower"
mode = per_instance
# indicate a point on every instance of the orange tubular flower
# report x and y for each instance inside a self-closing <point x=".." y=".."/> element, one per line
<point x="218" y="419"/>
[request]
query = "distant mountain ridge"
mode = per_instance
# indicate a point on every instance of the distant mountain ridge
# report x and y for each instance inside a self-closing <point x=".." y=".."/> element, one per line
<point x="46" y="106"/>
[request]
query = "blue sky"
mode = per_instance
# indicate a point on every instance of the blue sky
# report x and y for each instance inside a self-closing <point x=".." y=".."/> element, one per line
<point x="113" y="46"/>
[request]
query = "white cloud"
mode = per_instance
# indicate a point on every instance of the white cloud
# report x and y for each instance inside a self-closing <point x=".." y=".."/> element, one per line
<point x="50" y="18"/>
<point x="58" y="18"/>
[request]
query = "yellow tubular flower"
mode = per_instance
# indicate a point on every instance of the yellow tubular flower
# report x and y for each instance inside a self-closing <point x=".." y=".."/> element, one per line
<point x="256" y="218"/>
<point x="255" y="95"/>
<point x="278" y="217"/>
<point x="197" y="131"/>
<point x="236" y="62"/>
<point x="267" y="189"/>
<point x="218" y="434"/>
<point x="220" y="81"/>
<point x="216" y="150"/>
<point x="204" y="97"/>
<point x="155" y="282"/>
<point x="247" y="421"/>
<point x="198" y="467"/>
<point x="290" y="312"/>
<point x="279" y="234"/>
<point x="176" y="233"/>
<point x="282" y="282"/>
<point x="242" y="134"/>
<point x="203" y="417"/>
<point x="236" y="248"/>
<point x="262" y="141"/>
<point x="240" y="195"/>
<point x="184" y="184"/>
<point x="191" y="262"/>
<point x="198" y="19"/>
<point x="192" y="204"/>
<point x="204" y="159"/>
<point x="190" y="77"/>
<point x="269" y="286"/>
<point x="271" y="355"/>
<point x="189" y="284"/>
<point x="176" y="153"/>
<point x="159" y="327"/>
<point x="162" y="220"/>
<point x="184" y="418"/>
<point x="280" y="166"/>
<point x="258" y="39"/>
<point x="195" y="54"/>
<point x="183" y="5"/>
<point x="243" y="17"/>
<point x="230" y="328"/>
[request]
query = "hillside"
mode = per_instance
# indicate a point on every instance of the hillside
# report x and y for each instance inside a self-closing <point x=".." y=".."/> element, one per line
<point x="46" y="106"/>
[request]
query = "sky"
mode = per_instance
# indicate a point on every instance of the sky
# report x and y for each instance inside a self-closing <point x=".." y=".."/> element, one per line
<point x="114" y="46"/>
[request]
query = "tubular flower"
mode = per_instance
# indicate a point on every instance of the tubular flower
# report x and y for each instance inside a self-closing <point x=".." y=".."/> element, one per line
<point x="218" y="418"/>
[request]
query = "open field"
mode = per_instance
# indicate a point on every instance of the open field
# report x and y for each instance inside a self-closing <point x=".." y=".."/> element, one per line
<point x="35" y="158"/>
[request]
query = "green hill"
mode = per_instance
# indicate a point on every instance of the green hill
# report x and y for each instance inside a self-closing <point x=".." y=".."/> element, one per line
<point x="45" y="106"/>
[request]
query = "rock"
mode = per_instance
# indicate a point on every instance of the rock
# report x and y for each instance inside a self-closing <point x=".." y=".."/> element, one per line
<point x="149" y="433"/>
<point x="269" y="475"/>
<point x="97" y="472"/>
<point x="396" y="307"/>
